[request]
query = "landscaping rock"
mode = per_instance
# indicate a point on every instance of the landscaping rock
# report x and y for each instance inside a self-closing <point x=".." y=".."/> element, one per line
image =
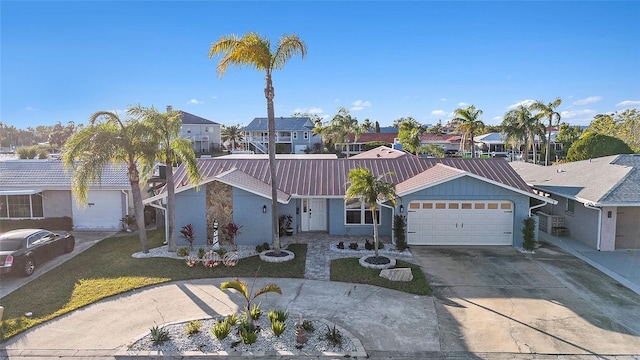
<point x="398" y="274"/>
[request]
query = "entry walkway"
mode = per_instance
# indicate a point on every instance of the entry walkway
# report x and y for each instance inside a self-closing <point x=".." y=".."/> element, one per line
<point x="621" y="265"/>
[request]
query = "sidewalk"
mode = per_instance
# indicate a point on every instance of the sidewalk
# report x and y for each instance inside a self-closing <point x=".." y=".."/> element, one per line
<point x="621" y="265"/>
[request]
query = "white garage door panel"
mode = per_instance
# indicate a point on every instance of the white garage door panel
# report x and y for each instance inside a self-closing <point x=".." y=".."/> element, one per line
<point x="460" y="223"/>
<point x="103" y="211"/>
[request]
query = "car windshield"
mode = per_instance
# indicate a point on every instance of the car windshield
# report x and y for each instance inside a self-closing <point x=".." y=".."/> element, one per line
<point x="10" y="244"/>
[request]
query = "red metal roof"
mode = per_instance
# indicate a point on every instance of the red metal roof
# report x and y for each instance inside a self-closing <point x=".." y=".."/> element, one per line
<point x="327" y="177"/>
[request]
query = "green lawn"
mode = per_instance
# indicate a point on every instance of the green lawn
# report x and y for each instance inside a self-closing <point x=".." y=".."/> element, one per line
<point x="350" y="270"/>
<point x="107" y="269"/>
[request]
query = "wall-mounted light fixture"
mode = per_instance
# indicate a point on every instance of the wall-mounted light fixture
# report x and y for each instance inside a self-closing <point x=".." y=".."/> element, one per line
<point x="401" y="208"/>
<point x="264" y="209"/>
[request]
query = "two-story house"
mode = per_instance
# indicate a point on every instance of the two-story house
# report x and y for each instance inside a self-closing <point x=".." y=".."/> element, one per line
<point x="294" y="135"/>
<point x="204" y="134"/>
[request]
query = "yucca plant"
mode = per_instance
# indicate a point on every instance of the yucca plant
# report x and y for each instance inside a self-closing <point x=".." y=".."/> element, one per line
<point x="232" y="319"/>
<point x="248" y="332"/>
<point x="278" y="315"/>
<point x="159" y="335"/>
<point x="278" y="327"/>
<point x="193" y="327"/>
<point x="221" y="329"/>
<point x="256" y="312"/>
<point x="242" y="288"/>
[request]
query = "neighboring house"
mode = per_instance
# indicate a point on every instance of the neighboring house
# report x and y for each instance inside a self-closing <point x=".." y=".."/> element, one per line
<point x="494" y="143"/>
<point x="41" y="189"/>
<point x="598" y="200"/>
<point x="293" y="135"/>
<point x="450" y="143"/>
<point x="446" y="201"/>
<point x="203" y="133"/>
<point x="353" y="147"/>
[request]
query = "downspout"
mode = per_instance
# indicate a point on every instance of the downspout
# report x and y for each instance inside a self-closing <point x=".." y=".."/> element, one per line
<point x="126" y="201"/>
<point x="393" y="213"/>
<point x="599" y="238"/>
<point x="536" y="207"/>
<point x="166" y="221"/>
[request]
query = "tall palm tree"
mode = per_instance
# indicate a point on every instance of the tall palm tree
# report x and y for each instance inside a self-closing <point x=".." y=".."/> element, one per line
<point x="232" y="134"/>
<point x="370" y="189"/>
<point x="520" y="126"/>
<point x="164" y="130"/>
<point x="469" y="123"/>
<point x="106" y="140"/>
<point x="549" y="112"/>
<point x="255" y="51"/>
<point x="409" y="135"/>
<point x="340" y="126"/>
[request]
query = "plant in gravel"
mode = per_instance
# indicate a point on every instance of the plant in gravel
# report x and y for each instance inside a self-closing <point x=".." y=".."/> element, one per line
<point x="202" y="253"/>
<point x="248" y="332"/>
<point x="368" y="245"/>
<point x="353" y="246"/>
<point x="232" y="319"/>
<point x="266" y="246"/>
<point x="278" y="315"/>
<point x="193" y="327"/>
<point x="333" y="336"/>
<point x="259" y="248"/>
<point x="221" y="251"/>
<point x="307" y="325"/>
<point x="255" y="312"/>
<point x="183" y="251"/>
<point x="340" y="245"/>
<point x="221" y="329"/>
<point x="278" y="327"/>
<point x="159" y="335"/>
<point x="242" y="288"/>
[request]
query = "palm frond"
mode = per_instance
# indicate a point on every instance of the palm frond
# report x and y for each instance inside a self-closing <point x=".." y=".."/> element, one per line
<point x="238" y="285"/>
<point x="267" y="289"/>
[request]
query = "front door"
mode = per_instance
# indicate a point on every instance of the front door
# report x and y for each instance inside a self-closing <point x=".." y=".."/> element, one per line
<point x="314" y="215"/>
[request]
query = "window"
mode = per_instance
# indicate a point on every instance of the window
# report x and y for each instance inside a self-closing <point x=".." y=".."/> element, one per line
<point x="357" y="214"/>
<point x="306" y="135"/>
<point x="571" y="206"/>
<point x="295" y="134"/>
<point x="21" y="206"/>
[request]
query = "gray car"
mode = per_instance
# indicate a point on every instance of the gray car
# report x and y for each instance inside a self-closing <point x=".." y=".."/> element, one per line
<point x="22" y="250"/>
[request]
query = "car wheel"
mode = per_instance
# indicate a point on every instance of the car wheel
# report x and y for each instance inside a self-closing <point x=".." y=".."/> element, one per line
<point x="69" y="246"/>
<point x="28" y="266"/>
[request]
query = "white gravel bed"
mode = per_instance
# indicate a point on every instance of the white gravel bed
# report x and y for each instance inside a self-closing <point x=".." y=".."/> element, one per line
<point x="205" y="342"/>
<point x="389" y="249"/>
<point x="163" y="251"/>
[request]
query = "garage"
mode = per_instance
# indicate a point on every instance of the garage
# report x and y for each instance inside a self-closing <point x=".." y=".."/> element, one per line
<point x="103" y="211"/>
<point x="458" y="222"/>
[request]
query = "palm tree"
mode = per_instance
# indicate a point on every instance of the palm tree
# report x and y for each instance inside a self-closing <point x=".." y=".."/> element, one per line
<point x="339" y="128"/>
<point x="164" y="130"/>
<point x="469" y="123"/>
<point x="370" y="189"/>
<point x="255" y="51"/>
<point x="547" y="111"/>
<point x="232" y="134"/>
<point x="519" y="126"/>
<point x="106" y="140"/>
<point x="409" y="135"/>
<point x="241" y="287"/>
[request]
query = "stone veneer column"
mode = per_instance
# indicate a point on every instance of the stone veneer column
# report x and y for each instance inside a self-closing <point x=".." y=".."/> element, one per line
<point x="219" y="207"/>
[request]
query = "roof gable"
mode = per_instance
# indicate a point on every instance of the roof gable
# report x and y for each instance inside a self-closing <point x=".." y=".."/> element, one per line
<point x="282" y="124"/>
<point x="190" y="119"/>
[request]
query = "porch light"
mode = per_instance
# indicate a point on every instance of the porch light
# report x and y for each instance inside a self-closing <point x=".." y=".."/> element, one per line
<point x="401" y="208"/>
<point x="264" y="209"/>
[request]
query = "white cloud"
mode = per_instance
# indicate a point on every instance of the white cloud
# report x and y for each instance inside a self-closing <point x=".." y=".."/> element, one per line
<point x="443" y="99"/>
<point x="497" y="118"/>
<point x="214" y="97"/>
<point x="588" y="100"/>
<point x="628" y="103"/>
<point x="577" y="113"/>
<point x="313" y="110"/>
<point x="194" y="102"/>
<point x="523" y="102"/>
<point x="438" y="113"/>
<point x="30" y="109"/>
<point x="336" y="100"/>
<point x="462" y="104"/>
<point x="360" y="104"/>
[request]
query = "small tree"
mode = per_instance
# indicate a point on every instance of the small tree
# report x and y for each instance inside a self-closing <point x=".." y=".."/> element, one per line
<point x="187" y="233"/>
<point x="528" y="234"/>
<point x="241" y="287"/>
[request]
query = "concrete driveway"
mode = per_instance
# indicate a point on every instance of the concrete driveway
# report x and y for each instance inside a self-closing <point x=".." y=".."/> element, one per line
<point x="498" y="300"/>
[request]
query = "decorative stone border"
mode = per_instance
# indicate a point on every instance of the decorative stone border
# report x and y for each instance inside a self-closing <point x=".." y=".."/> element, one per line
<point x="274" y="259"/>
<point x="124" y="353"/>
<point x="361" y="250"/>
<point x="390" y="265"/>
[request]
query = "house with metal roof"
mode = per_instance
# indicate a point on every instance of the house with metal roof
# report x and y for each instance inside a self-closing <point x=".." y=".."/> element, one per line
<point x="294" y="135"/>
<point x="205" y="135"/>
<point x="41" y="189"/>
<point x="446" y="201"/>
<point x="598" y="200"/>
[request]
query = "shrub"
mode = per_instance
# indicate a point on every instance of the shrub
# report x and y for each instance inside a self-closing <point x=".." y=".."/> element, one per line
<point x="255" y="312"/>
<point x="259" y="248"/>
<point x="528" y="233"/>
<point x="193" y="327"/>
<point x="278" y="327"/>
<point x="353" y="246"/>
<point x="232" y="319"/>
<point x="266" y="246"/>
<point x="221" y="329"/>
<point x="340" y="245"/>
<point x="187" y="234"/>
<point x="380" y="245"/>
<point x="399" y="232"/>
<point x="202" y="253"/>
<point x="248" y="332"/>
<point x="278" y="315"/>
<point x="368" y="245"/>
<point x="159" y="335"/>
<point x="183" y="251"/>
<point x="221" y="251"/>
<point x="307" y="325"/>
<point x="333" y="336"/>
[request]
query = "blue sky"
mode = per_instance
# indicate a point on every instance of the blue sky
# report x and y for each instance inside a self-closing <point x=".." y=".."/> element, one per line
<point x="62" y="61"/>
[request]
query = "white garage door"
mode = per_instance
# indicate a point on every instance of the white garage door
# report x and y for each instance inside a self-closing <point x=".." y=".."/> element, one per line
<point x="460" y="223"/>
<point x="103" y="211"/>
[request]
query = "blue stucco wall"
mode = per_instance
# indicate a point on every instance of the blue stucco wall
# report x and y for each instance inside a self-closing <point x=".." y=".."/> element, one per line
<point x="468" y="188"/>
<point x="337" y="221"/>
<point x="191" y="209"/>
<point x="582" y="223"/>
